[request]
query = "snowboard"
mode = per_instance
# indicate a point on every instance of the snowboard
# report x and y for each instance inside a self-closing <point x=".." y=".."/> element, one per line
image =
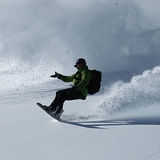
<point x="42" y="107"/>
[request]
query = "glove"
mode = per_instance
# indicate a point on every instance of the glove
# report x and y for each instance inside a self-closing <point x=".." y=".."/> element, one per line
<point x="56" y="75"/>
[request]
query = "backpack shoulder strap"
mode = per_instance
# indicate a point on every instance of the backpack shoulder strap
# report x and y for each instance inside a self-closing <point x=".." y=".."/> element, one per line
<point x="75" y="77"/>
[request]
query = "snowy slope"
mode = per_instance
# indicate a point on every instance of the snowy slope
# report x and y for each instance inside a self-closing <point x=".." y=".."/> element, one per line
<point x="27" y="132"/>
<point x="120" y="38"/>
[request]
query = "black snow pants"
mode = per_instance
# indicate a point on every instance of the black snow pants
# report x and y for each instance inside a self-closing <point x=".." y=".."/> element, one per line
<point x="65" y="94"/>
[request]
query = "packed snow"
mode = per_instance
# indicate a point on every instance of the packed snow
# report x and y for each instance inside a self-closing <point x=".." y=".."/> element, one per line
<point x="120" y="38"/>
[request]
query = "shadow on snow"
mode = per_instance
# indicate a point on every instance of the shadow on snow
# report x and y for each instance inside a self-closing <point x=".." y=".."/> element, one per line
<point x="102" y="124"/>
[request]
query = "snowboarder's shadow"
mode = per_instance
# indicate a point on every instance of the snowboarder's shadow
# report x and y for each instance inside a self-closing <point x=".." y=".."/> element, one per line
<point x="104" y="124"/>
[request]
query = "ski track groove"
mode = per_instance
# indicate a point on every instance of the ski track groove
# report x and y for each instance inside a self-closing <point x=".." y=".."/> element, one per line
<point x="150" y="155"/>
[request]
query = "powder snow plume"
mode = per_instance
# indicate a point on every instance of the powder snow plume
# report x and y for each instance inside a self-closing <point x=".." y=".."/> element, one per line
<point x="143" y="91"/>
<point x="50" y="35"/>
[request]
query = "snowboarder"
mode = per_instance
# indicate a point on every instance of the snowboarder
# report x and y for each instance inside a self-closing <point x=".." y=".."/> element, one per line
<point x="78" y="91"/>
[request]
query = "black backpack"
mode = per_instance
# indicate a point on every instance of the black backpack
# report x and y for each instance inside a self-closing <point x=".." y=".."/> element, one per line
<point x="95" y="82"/>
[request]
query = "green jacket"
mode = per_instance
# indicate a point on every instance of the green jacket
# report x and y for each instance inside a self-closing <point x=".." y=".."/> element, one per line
<point x="80" y="79"/>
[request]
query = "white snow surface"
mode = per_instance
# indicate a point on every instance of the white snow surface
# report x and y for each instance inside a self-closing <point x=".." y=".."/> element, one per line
<point x="120" y="38"/>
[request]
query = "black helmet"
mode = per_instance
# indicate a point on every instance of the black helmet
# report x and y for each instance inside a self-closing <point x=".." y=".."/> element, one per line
<point x="80" y="61"/>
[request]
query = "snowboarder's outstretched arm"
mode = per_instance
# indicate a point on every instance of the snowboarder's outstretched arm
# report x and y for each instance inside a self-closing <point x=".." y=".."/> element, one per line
<point x="63" y="78"/>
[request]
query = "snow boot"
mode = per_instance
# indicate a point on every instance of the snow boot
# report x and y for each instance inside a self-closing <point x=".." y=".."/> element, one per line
<point x="57" y="113"/>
